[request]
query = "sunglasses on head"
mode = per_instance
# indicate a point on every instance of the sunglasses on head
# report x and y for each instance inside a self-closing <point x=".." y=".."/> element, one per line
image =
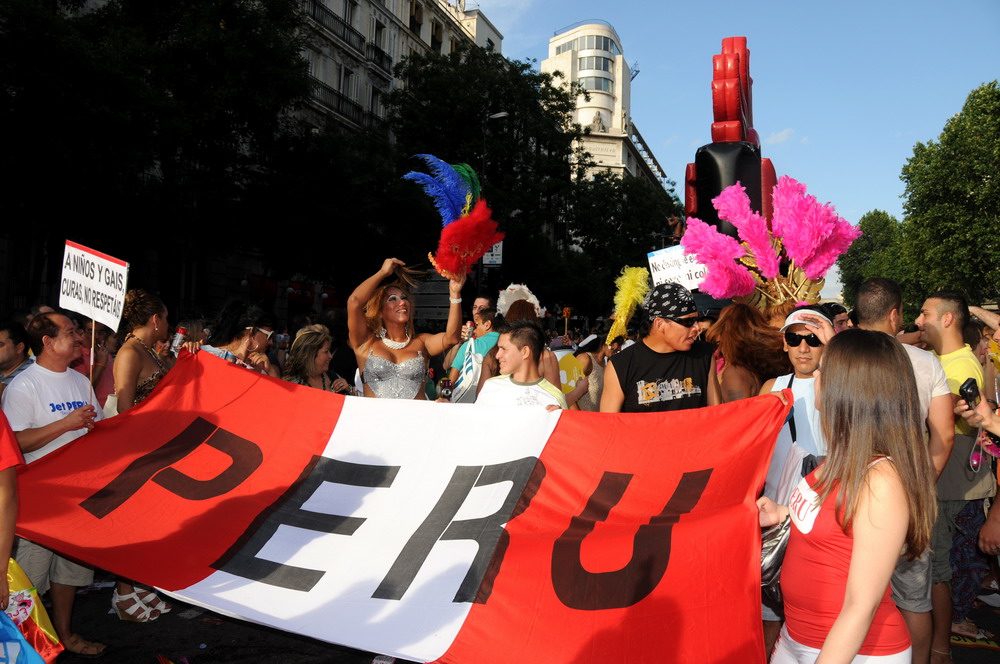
<point x="793" y="339"/>
<point x="686" y="322"/>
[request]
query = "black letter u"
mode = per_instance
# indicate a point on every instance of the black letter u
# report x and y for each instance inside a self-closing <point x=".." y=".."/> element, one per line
<point x="592" y="591"/>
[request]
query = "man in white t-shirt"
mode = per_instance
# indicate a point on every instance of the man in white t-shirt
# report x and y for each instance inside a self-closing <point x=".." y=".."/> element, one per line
<point x="520" y="383"/>
<point x="49" y="405"/>
<point x="879" y="307"/>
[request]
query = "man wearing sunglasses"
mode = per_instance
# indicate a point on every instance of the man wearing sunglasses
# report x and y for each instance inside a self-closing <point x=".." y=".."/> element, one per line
<point x="800" y="442"/>
<point x="668" y="369"/>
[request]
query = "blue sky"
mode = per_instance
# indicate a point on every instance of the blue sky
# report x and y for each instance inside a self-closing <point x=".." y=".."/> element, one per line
<point x="842" y="90"/>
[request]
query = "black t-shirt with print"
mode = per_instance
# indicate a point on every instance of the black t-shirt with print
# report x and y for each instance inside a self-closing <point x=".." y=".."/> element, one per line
<point x="653" y="382"/>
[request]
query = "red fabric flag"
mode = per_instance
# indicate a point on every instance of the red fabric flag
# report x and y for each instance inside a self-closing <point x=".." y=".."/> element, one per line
<point x="383" y="525"/>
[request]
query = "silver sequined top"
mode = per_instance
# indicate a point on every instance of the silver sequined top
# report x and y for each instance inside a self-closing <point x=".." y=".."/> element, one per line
<point x="389" y="380"/>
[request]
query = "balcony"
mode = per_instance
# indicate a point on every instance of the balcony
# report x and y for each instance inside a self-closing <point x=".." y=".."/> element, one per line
<point x="337" y="102"/>
<point x="380" y="58"/>
<point x="337" y="26"/>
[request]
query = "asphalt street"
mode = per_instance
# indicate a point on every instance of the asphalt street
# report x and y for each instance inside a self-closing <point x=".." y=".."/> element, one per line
<point x="202" y="637"/>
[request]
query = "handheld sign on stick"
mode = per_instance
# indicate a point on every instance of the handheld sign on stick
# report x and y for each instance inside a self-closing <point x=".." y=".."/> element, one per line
<point x="93" y="284"/>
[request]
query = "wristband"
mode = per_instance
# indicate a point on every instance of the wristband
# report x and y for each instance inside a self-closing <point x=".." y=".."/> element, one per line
<point x="455" y="300"/>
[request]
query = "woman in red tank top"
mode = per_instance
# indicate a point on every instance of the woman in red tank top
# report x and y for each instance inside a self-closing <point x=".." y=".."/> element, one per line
<point x="872" y="499"/>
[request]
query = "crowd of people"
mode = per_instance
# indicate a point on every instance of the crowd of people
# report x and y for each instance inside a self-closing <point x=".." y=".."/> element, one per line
<point x="880" y="474"/>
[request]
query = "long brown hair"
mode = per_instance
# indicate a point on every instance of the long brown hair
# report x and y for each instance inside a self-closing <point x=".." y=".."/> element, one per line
<point x="746" y="340"/>
<point x="869" y="408"/>
<point x="403" y="278"/>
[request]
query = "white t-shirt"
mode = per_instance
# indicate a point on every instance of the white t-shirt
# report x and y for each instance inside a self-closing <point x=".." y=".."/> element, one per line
<point x="808" y="430"/>
<point x="931" y="381"/>
<point x="39" y="396"/>
<point x="505" y="391"/>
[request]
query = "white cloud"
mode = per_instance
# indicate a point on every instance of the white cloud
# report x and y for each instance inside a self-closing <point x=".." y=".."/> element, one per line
<point x="670" y="140"/>
<point x="804" y="140"/>
<point x="779" y="137"/>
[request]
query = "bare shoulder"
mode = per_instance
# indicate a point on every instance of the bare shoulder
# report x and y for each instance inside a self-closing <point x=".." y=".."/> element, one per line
<point x="882" y="485"/>
<point x="768" y="386"/>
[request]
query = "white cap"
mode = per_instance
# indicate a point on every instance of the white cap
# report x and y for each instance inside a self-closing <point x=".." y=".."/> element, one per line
<point x="796" y="317"/>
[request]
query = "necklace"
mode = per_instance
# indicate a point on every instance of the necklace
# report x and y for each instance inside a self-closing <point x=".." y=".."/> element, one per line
<point x="322" y="383"/>
<point x="394" y="345"/>
<point x="152" y="353"/>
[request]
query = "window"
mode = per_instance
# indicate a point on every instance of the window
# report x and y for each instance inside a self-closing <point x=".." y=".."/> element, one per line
<point x="376" y="105"/>
<point x="597" y="83"/>
<point x="313" y="58"/>
<point x="348" y="83"/>
<point x="378" y="35"/>
<point x="590" y="42"/>
<point x="416" y="16"/>
<point x="350" y="9"/>
<point x="595" y="62"/>
<point x="437" y="36"/>
<point x="490" y="46"/>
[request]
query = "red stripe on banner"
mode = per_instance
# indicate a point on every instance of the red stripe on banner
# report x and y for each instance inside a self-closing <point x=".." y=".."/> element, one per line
<point x="99" y="254"/>
<point x="641" y="543"/>
<point x="162" y="491"/>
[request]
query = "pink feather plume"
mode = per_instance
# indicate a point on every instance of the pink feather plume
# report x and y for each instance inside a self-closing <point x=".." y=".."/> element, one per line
<point x="733" y="205"/>
<point x="719" y="253"/>
<point x="814" y="235"/>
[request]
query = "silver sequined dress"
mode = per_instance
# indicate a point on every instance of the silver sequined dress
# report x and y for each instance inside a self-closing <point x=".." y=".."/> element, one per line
<point x="391" y="380"/>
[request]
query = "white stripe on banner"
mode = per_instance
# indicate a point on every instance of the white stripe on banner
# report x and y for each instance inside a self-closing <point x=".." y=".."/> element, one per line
<point x="390" y="585"/>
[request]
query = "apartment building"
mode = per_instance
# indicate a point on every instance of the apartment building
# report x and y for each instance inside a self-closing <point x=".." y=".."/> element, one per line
<point x="354" y="45"/>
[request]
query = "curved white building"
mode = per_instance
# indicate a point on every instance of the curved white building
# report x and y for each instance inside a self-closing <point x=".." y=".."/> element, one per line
<point x="590" y="53"/>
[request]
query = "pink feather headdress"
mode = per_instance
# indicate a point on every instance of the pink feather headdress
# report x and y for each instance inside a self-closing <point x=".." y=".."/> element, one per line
<point x="767" y="266"/>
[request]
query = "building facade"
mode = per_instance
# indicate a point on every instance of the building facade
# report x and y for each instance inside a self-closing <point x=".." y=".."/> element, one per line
<point x="354" y="45"/>
<point x="590" y="53"/>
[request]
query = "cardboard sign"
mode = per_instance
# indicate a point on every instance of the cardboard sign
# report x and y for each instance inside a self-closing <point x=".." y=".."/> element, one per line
<point x="93" y="284"/>
<point x="670" y="265"/>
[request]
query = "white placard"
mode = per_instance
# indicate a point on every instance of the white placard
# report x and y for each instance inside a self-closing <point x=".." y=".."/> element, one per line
<point x="670" y="265"/>
<point x="93" y="284"/>
<point x="495" y="255"/>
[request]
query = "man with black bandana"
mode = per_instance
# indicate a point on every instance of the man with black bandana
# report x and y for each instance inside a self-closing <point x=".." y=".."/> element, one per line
<point x="668" y="369"/>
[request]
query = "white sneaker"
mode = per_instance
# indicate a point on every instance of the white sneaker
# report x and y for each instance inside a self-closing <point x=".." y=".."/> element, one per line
<point x="383" y="659"/>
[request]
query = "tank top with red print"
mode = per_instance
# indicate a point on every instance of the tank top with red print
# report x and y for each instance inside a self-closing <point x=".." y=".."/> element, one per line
<point x="814" y="577"/>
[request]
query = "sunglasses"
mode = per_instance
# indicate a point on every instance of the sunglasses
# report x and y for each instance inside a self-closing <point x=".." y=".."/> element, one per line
<point x="793" y="340"/>
<point x="266" y="333"/>
<point x="686" y="322"/>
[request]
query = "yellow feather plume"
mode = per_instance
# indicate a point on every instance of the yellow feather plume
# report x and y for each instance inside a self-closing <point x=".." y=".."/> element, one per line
<point x="632" y="285"/>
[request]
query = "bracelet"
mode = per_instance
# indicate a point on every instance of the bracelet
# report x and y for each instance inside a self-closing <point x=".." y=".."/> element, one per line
<point x="455" y="300"/>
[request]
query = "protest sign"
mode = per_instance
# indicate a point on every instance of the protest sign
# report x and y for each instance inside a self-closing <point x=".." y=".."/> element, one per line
<point x="670" y="265"/>
<point x="93" y="284"/>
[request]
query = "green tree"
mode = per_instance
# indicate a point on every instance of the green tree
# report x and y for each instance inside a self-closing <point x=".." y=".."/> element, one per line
<point x="617" y="220"/>
<point x="510" y="123"/>
<point x="877" y="253"/>
<point x="952" y="205"/>
<point x="145" y="107"/>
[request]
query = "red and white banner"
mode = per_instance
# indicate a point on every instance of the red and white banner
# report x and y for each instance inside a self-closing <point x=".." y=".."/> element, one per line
<point x="457" y="533"/>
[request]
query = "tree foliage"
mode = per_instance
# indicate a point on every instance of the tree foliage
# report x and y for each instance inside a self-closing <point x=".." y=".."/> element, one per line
<point x="877" y="253"/>
<point x="952" y="205"/>
<point x="620" y="219"/>
<point x="512" y="125"/>
<point x="143" y="107"/>
<point x="532" y="172"/>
